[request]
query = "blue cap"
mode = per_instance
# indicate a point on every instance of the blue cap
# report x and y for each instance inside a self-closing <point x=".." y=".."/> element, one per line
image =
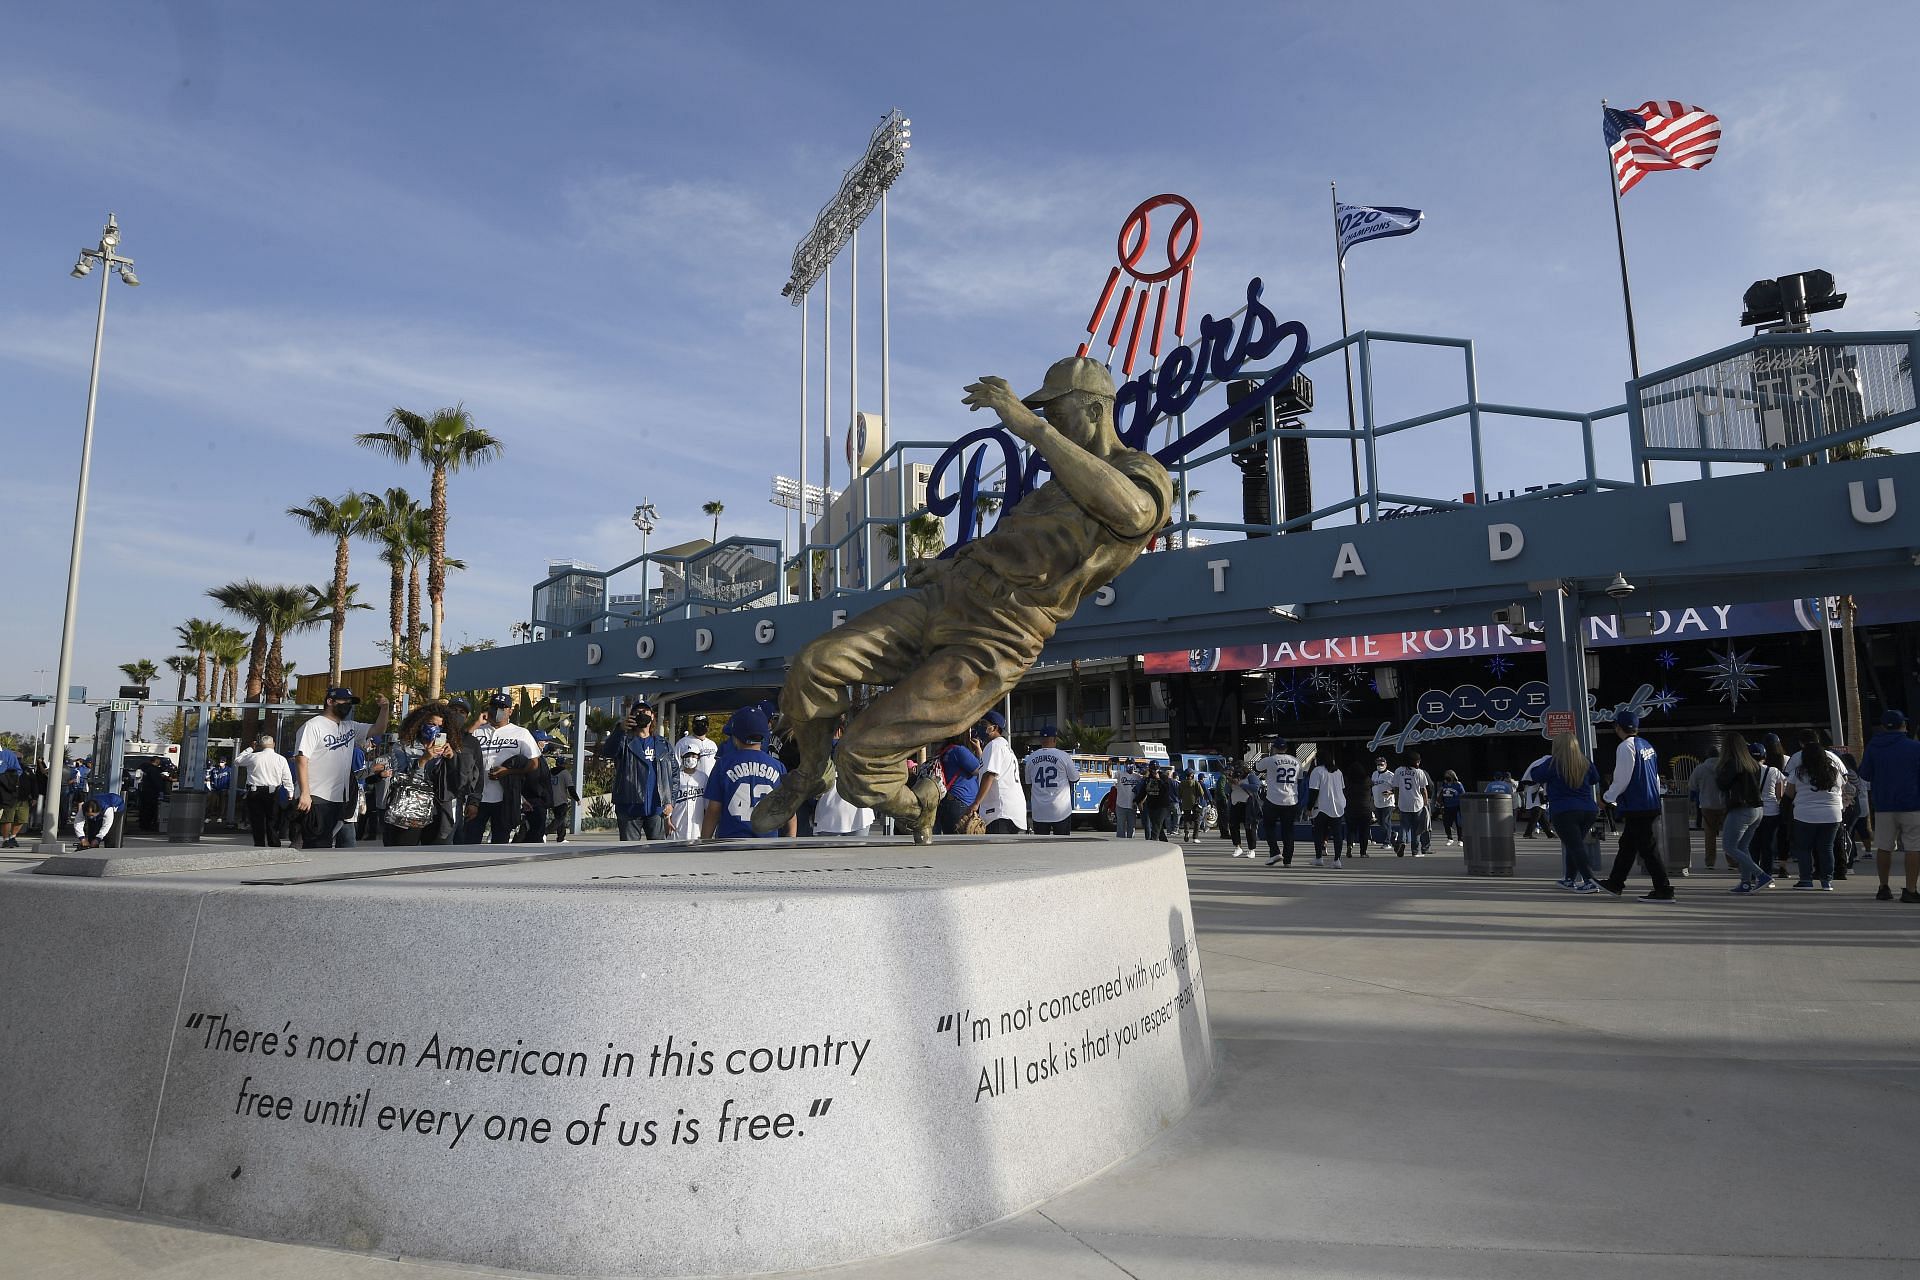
<point x="340" y="693"/>
<point x="500" y="700"/>
<point x="541" y="735"/>
<point x="461" y="705"/>
<point x="1894" y="719"/>
<point x="1627" y="720"/>
<point x="1757" y="751"/>
<point x="748" y="724"/>
<point x="995" y="719"/>
<point x="1050" y="731"/>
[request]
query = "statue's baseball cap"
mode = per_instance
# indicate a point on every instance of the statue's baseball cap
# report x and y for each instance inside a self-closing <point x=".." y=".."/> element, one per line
<point x="1075" y="373"/>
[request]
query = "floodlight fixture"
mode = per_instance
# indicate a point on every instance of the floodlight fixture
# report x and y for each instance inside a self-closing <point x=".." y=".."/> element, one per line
<point x="1619" y="588"/>
<point x="128" y="278"/>
<point x="1787" y="302"/>
<point x="859" y="195"/>
<point x="82" y="267"/>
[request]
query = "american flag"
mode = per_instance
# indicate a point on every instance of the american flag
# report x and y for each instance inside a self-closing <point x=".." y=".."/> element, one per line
<point x="1660" y="135"/>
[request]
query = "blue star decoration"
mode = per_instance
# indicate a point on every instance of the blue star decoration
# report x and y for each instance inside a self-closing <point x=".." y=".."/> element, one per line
<point x="1338" y="703"/>
<point x="1667" y="659"/>
<point x="1288" y="695"/>
<point x="1357" y="676"/>
<point x="1499" y="664"/>
<point x="1324" y="682"/>
<point x="1664" y="701"/>
<point x="1733" y="674"/>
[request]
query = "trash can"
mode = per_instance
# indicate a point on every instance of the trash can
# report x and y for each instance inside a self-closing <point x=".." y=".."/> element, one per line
<point x="1486" y="833"/>
<point x="186" y="815"/>
<point x="1673" y="835"/>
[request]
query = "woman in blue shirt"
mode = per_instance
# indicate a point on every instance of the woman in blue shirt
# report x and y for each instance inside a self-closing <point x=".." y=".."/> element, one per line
<point x="1570" y="779"/>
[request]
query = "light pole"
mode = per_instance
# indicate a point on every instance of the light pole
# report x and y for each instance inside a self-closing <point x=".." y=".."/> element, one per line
<point x="102" y="255"/>
<point x="645" y="518"/>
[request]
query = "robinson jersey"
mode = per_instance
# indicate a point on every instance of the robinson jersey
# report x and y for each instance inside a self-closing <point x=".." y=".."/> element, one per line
<point x="740" y="782"/>
<point x="1051" y="774"/>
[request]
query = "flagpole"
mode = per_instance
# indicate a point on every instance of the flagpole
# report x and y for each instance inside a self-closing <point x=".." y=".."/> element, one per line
<point x="1626" y="286"/>
<point x="1340" y="270"/>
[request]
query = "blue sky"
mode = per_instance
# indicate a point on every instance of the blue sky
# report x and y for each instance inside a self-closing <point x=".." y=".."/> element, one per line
<point x="577" y="218"/>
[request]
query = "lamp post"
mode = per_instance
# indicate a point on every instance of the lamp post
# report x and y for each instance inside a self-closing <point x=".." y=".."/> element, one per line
<point x="101" y="255"/>
<point x="645" y="518"/>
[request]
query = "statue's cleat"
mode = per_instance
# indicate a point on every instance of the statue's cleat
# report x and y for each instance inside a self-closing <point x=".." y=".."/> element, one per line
<point x="927" y="791"/>
<point x="778" y="806"/>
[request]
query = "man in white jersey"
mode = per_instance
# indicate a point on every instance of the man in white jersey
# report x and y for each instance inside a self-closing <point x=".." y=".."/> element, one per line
<point x="1003" y="803"/>
<point x="1411" y="787"/>
<point x="1279" y="771"/>
<point x="507" y="751"/>
<point x="689" y="785"/>
<point x="1051" y="774"/>
<point x="1380" y="785"/>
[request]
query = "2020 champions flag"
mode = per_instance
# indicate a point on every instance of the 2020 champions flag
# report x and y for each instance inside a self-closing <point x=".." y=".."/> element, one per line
<point x="1359" y="222"/>
<point x="1657" y="137"/>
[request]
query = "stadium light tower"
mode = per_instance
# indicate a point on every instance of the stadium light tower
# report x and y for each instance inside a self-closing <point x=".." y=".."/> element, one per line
<point x="101" y="255"/>
<point x="863" y="188"/>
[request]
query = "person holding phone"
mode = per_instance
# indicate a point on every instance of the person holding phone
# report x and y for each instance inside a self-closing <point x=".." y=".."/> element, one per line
<point x="643" y="802"/>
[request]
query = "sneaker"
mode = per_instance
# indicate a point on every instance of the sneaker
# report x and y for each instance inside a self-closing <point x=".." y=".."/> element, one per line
<point x="1826" y="886"/>
<point x="1884" y="895"/>
<point x="1657" y="896"/>
<point x="1839" y="873"/>
<point x="1765" y="882"/>
<point x="1586" y="886"/>
<point x="1563" y="884"/>
<point x="1908" y="895"/>
<point x="1803" y="884"/>
<point x="1604" y="887"/>
<point x="1338" y="864"/>
<point x="1275" y="858"/>
<point x="1319" y="862"/>
<point x="1744" y="887"/>
<point x="1421" y="855"/>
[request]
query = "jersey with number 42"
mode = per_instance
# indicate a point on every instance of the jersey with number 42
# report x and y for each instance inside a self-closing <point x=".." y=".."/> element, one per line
<point x="740" y="781"/>
<point x="1051" y="774"/>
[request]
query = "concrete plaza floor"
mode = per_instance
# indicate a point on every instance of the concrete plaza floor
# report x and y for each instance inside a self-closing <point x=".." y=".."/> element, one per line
<point x="1426" y="1075"/>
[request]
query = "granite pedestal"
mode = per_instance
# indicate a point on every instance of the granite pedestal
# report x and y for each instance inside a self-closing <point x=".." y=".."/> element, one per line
<point x="660" y="1061"/>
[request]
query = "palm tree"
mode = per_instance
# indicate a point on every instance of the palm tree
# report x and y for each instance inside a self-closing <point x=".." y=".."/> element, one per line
<point x="290" y="610"/>
<point x="398" y="513"/>
<point x="196" y="635"/>
<point x="353" y="515"/>
<point x="228" y="650"/>
<point x="926" y="536"/>
<point x="141" y="672"/>
<point x="181" y="665"/>
<point x="249" y="600"/>
<point x="714" y="509"/>
<point x="445" y="442"/>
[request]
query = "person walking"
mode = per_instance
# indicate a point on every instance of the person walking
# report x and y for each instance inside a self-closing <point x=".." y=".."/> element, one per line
<point x="1449" y="792"/>
<point x="1193" y="805"/>
<point x="1891" y="769"/>
<point x="1814" y="778"/>
<point x="1359" y="822"/>
<point x="424" y="756"/>
<point x="269" y="785"/>
<point x="1736" y="777"/>
<point x="507" y="754"/>
<point x="1327" y="801"/>
<point x="1780" y="803"/>
<point x="1704" y="785"/>
<point x="1003" y="803"/>
<point x="1568" y="778"/>
<point x="1052" y="775"/>
<point x="323" y="767"/>
<point x="960" y="776"/>
<point x="1279" y="772"/>
<point x="1380" y="789"/>
<point x="743" y="776"/>
<point x="643" y="800"/>
<point x="1126" y="798"/>
<point x="1635" y="791"/>
<point x="536" y="792"/>
<point x="14" y="806"/>
<point x="1231" y="811"/>
<point x="1412" y="791"/>
<point x="1156" y="801"/>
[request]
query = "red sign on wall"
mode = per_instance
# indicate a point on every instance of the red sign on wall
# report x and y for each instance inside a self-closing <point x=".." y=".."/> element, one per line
<point x="1557" y="722"/>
